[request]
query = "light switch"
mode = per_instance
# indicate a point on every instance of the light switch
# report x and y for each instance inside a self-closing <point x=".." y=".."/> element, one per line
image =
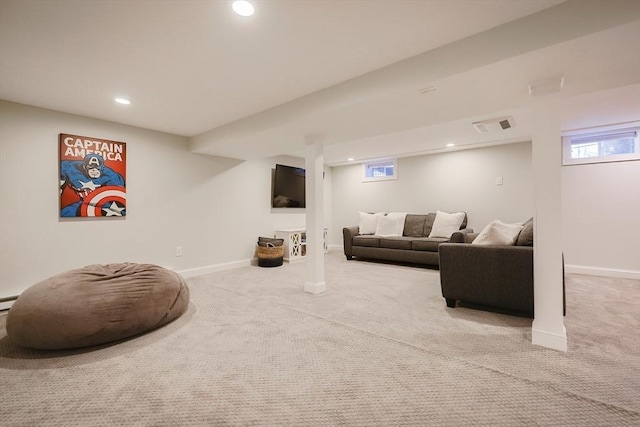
<point x="499" y="180"/>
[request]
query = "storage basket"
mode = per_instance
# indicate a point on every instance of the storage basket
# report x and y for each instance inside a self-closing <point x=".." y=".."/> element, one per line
<point x="270" y="255"/>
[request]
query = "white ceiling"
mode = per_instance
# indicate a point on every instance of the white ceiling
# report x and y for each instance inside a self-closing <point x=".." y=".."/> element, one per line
<point x="348" y="70"/>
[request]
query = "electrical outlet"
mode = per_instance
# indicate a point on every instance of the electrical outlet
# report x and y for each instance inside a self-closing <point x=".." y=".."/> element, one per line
<point x="178" y="250"/>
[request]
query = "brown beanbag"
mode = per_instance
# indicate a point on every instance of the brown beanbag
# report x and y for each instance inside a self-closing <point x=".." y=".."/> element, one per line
<point x="95" y="305"/>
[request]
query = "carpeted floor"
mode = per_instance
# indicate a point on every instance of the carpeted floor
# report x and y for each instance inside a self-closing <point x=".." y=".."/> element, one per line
<point x="379" y="348"/>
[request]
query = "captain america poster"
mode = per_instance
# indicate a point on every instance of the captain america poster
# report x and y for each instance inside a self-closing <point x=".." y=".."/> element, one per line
<point x="92" y="177"/>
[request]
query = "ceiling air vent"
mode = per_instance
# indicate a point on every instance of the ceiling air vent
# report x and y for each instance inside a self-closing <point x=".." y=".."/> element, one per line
<point x="494" y="125"/>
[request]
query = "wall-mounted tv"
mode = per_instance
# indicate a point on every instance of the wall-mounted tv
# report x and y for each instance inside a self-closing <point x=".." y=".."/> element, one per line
<point x="288" y="187"/>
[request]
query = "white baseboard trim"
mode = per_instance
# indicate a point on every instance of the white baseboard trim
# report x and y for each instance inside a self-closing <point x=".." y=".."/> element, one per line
<point x="602" y="271"/>
<point x="334" y="247"/>
<point x="548" y="339"/>
<point x="6" y="305"/>
<point x="199" y="271"/>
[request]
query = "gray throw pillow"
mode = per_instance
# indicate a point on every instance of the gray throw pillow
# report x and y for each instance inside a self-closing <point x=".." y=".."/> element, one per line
<point x="525" y="238"/>
<point x="413" y="225"/>
<point x="464" y="222"/>
<point x="428" y="224"/>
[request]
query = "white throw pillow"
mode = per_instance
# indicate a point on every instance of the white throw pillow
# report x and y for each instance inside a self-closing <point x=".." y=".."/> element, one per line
<point x="498" y="233"/>
<point x="446" y="224"/>
<point x="392" y="224"/>
<point x="368" y="222"/>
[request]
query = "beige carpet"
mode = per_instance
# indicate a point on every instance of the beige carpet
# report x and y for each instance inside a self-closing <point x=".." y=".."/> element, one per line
<point x="379" y="348"/>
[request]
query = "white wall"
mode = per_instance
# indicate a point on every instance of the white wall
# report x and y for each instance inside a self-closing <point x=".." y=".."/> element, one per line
<point x="214" y="208"/>
<point x="601" y="202"/>
<point x="601" y="217"/>
<point x="451" y="182"/>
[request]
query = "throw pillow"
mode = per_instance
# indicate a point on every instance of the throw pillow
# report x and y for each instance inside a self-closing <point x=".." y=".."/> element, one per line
<point x="428" y="224"/>
<point x="525" y="238"/>
<point x="368" y="222"/>
<point x="498" y="233"/>
<point x="446" y="224"/>
<point x="413" y="225"/>
<point x="392" y="224"/>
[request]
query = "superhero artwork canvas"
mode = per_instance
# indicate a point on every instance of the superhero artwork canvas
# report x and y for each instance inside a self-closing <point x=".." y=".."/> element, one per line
<point x="92" y="177"/>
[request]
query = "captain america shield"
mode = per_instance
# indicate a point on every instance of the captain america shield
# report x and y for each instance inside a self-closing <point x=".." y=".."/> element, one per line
<point x="105" y="201"/>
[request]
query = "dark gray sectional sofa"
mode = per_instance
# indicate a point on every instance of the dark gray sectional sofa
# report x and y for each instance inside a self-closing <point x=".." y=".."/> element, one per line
<point x="490" y="276"/>
<point x="493" y="276"/>
<point x="414" y="246"/>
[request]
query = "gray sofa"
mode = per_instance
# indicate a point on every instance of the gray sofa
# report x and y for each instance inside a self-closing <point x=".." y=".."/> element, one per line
<point x="494" y="277"/>
<point x="414" y="246"/>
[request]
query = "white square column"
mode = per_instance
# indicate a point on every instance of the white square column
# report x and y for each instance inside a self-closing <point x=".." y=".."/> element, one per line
<point x="548" y="328"/>
<point x="314" y="188"/>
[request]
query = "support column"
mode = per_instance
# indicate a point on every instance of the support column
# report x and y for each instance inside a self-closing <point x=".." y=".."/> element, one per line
<point x="314" y="165"/>
<point x="548" y="328"/>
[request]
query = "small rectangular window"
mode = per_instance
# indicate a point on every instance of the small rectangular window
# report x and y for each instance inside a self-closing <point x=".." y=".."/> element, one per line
<point x="380" y="170"/>
<point x="604" y="146"/>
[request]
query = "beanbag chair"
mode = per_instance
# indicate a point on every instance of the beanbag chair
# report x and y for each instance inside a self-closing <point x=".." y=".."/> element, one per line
<point x="96" y="304"/>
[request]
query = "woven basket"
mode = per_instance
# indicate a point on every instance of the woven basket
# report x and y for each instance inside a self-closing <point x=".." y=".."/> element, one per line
<point x="270" y="252"/>
<point x="270" y="256"/>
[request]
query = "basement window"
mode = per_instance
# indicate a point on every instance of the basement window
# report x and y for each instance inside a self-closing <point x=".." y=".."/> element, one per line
<point x="601" y="146"/>
<point x="380" y="170"/>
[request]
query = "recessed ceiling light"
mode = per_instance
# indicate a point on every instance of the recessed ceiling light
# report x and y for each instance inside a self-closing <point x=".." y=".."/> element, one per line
<point x="451" y="144"/>
<point x="350" y="159"/>
<point x="243" y="8"/>
<point x="123" y="101"/>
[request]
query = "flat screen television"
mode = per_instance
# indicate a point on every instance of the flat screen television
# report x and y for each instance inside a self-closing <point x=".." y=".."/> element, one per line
<point x="288" y="187"/>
